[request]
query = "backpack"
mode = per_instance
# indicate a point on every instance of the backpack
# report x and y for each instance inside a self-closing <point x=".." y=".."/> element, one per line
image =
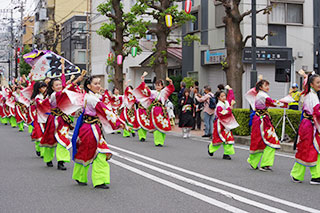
<point x="212" y="102"/>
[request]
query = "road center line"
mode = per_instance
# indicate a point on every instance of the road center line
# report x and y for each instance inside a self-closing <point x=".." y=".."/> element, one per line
<point x="202" y="185"/>
<point x="182" y="189"/>
<point x="214" y="180"/>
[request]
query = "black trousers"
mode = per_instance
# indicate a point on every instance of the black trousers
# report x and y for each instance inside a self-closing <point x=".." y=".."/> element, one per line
<point x="197" y="120"/>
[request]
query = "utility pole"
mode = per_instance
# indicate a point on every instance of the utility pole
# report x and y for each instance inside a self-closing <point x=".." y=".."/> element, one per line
<point x="20" y="43"/>
<point x="253" y="73"/>
<point x="11" y="46"/>
<point x="88" y="44"/>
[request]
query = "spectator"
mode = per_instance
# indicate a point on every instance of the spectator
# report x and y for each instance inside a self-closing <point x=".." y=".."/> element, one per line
<point x="186" y="115"/>
<point x="208" y="112"/>
<point x="295" y="94"/>
<point x="183" y="87"/>
<point x="221" y="87"/>
<point x="198" y="106"/>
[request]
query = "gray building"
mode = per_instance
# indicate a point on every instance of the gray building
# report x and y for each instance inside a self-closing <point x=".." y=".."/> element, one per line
<point x="316" y="9"/>
<point x="291" y="48"/>
<point x="74" y="40"/>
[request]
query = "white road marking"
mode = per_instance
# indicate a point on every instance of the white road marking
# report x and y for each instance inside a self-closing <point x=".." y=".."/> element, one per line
<point x="205" y="186"/>
<point x="235" y="146"/>
<point x="214" y="180"/>
<point x="182" y="189"/>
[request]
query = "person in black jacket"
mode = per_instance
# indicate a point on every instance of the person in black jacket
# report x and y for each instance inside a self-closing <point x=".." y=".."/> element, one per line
<point x="187" y="113"/>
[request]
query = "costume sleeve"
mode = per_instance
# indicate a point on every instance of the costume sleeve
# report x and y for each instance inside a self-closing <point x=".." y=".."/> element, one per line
<point x="230" y="96"/>
<point x="143" y="94"/>
<point x="274" y="103"/>
<point x="109" y="120"/>
<point x="222" y="114"/>
<point x="63" y="79"/>
<point x="167" y="91"/>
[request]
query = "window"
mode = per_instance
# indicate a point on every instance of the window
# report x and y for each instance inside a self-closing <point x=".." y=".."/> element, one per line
<point x="219" y="15"/>
<point x="286" y="13"/>
<point x="82" y="26"/>
<point x="294" y="13"/>
<point x="193" y="26"/>
<point x="279" y="37"/>
<point x="81" y="57"/>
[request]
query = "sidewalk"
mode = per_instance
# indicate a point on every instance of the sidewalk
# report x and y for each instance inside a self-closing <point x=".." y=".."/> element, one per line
<point x="243" y="140"/>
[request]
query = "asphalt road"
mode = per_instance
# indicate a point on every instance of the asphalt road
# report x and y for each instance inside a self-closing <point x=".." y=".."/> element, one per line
<point x="179" y="177"/>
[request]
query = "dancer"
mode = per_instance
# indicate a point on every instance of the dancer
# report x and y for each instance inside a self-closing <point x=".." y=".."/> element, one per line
<point x="128" y="114"/>
<point x="63" y="103"/>
<point x="89" y="146"/>
<point x="308" y="142"/>
<point x="154" y="100"/>
<point x="264" y="140"/>
<point x="223" y="124"/>
<point x="21" y="107"/>
<point x="42" y="109"/>
<point x="186" y="120"/>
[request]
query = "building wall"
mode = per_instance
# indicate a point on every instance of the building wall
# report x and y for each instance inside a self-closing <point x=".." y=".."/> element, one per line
<point x="299" y="38"/>
<point x="28" y="31"/>
<point x="316" y="9"/>
<point x="100" y="47"/>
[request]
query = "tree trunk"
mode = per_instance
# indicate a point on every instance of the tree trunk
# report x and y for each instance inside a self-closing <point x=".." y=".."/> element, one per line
<point x="119" y="43"/>
<point x="161" y="55"/>
<point x="234" y="45"/>
<point x="118" y="77"/>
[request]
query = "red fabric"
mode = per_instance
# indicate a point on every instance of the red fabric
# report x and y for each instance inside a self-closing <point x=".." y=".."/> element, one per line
<point x="89" y="144"/>
<point x="31" y="114"/>
<point x="21" y="114"/>
<point x="2" y="114"/>
<point x="306" y="153"/>
<point x="230" y="96"/>
<point x="55" y="133"/>
<point x="159" y="121"/>
<point x="144" y="120"/>
<point x="132" y="121"/>
<point x="257" y="142"/>
<point x="37" y="130"/>
<point x="219" y="134"/>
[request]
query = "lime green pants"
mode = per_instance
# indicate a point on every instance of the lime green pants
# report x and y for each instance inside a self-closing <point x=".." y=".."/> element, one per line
<point x="30" y="129"/>
<point x="228" y="148"/>
<point x="13" y="121"/>
<point x="21" y="127"/>
<point x="4" y="120"/>
<point x="62" y="153"/>
<point x="159" y="137"/>
<point x="100" y="171"/>
<point x="142" y="133"/>
<point x="266" y="160"/>
<point x="298" y="171"/>
<point x="37" y="146"/>
<point x="126" y="133"/>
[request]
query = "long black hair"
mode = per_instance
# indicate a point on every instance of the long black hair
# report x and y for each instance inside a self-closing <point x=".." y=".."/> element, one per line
<point x="311" y="78"/>
<point x="87" y="82"/>
<point x="50" y="85"/>
<point x="36" y="88"/>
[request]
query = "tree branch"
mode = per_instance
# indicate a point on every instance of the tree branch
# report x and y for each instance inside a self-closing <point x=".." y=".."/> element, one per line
<point x="265" y="10"/>
<point x="258" y="37"/>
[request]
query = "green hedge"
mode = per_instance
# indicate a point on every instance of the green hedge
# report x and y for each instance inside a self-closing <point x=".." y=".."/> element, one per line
<point x="243" y="117"/>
